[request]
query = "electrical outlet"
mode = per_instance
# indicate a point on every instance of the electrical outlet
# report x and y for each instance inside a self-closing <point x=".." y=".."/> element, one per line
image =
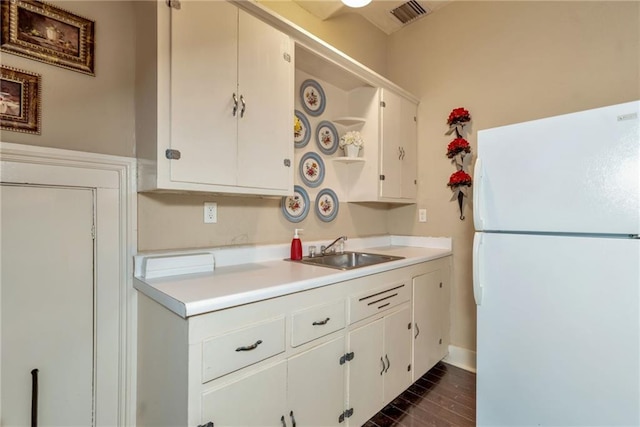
<point x="210" y="212"/>
<point x="422" y="215"/>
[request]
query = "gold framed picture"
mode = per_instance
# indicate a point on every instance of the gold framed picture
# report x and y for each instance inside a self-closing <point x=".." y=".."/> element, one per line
<point x="44" y="32"/>
<point x="19" y="100"/>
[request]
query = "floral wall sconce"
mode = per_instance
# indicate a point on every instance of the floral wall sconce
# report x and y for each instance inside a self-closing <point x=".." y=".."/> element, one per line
<point x="459" y="152"/>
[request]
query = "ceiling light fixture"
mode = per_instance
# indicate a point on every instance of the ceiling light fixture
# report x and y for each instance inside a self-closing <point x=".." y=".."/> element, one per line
<point x="356" y="3"/>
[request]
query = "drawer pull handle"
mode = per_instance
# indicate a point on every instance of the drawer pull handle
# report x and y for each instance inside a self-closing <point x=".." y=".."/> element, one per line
<point x="250" y="347"/>
<point x="417" y="332"/>
<point x="284" y="423"/>
<point x="388" y="363"/>
<point x="382" y="361"/>
<point x="321" y="322"/>
<point x="293" y="420"/>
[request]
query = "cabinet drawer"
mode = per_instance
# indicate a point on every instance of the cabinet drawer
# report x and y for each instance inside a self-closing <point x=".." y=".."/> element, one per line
<point x="376" y="300"/>
<point x="240" y="348"/>
<point x="315" y="322"/>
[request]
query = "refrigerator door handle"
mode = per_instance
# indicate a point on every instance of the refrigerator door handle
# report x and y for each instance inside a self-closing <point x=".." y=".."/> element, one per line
<point x="477" y="286"/>
<point x="478" y="172"/>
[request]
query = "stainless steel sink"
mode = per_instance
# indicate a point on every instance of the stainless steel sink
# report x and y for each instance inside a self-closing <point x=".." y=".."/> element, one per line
<point x="348" y="260"/>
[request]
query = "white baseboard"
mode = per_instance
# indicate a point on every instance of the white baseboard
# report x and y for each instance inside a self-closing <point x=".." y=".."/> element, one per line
<point x="462" y="358"/>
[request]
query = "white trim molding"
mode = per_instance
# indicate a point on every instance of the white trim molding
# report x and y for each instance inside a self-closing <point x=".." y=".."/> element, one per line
<point x="462" y="358"/>
<point x="113" y="178"/>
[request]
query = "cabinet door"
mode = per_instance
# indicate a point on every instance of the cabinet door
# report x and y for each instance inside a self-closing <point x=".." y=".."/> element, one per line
<point x="365" y="372"/>
<point x="256" y="400"/>
<point x="397" y="354"/>
<point x="409" y="145"/>
<point x="429" y="309"/>
<point x="390" y="154"/>
<point x="265" y="77"/>
<point x="315" y="392"/>
<point x="203" y="80"/>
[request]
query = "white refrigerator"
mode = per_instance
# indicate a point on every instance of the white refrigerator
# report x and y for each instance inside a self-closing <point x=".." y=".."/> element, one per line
<point x="556" y="270"/>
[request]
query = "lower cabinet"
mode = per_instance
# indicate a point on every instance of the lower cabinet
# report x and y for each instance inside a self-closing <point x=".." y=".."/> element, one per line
<point x="431" y="297"/>
<point x="305" y="390"/>
<point x="316" y="392"/>
<point x="381" y="366"/>
<point x="330" y="356"/>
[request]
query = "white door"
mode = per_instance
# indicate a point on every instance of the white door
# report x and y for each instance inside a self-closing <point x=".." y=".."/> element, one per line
<point x="409" y="144"/>
<point x="265" y="70"/>
<point x="572" y="173"/>
<point x="204" y="76"/>
<point x="365" y="372"/>
<point x="256" y="400"/>
<point x="47" y="305"/>
<point x="427" y="322"/>
<point x="558" y="330"/>
<point x="315" y="395"/>
<point x="390" y="159"/>
<point x="397" y="353"/>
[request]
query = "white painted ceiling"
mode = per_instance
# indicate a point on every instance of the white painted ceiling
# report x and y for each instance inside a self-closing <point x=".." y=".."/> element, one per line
<point x="378" y="12"/>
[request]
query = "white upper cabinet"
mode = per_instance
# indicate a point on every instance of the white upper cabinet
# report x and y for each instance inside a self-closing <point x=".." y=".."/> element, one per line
<point x="219" y="114"/>
<point x="398" y="147"/>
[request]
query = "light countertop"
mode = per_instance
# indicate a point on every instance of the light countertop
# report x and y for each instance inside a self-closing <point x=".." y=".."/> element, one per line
<point x="254" y="277"/>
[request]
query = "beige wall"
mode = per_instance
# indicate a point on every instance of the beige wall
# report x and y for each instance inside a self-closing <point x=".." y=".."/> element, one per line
<point x="505" y="62"/>
<point x="82" y="112"/>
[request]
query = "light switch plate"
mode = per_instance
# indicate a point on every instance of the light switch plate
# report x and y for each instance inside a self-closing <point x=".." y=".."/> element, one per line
<point x="422" y="215"/>
<point x="210" y="212"/>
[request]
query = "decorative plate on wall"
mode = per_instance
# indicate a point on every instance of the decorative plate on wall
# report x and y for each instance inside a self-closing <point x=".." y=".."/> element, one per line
<point x="301" y="129"/>
<point x="312" y="97"/>
<point x="327" y="137"/>
<point x="295" y="208"/>
<point x="327" y="205"/>
<point x="312" y="169"/>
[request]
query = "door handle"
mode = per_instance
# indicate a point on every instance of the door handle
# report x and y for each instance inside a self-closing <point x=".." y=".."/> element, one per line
<point x="293" y="420"/>
<point x="235" y="104"/>
<point x="476" y="259"/>
<point x="382" y="361"/>
<point x="321" y="322"/>
<point x="478" y="175"/>
<point x="388" y="363"/>
<point x="244" y="105"/>
<point x="417" y="331"/>
<point x="34" y="398"/>
<point x="250" y="347"/>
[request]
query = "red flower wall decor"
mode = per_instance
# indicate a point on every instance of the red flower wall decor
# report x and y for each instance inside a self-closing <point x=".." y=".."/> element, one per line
<point x="459" y="151"/>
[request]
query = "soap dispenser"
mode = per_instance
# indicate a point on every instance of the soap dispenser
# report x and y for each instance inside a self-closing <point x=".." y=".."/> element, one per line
<point x="296" y="246"/>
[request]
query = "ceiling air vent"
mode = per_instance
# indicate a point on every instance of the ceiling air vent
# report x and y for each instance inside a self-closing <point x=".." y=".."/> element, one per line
<point x="409" y="11"/>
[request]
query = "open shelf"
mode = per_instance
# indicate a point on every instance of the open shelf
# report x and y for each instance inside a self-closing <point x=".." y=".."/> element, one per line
<point x="349" y="159"/>
<point x="349" y="121"/>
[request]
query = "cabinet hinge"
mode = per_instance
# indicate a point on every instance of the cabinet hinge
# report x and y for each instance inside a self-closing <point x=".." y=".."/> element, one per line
<point x="409" y="325"/>
<point x="383" y="104"/>
<point x="345" y="414"/>
<point x="348" y="357"/>
<point x="409" y="368"/>
<point x="381" y="177"/>
<point x="172" y="154"/>
<point x="415" y="181"/>
<point x="415" y="119"/>
<point x="440" y="284"/>
<point x="440" y="341"/>
<point x="286" y="57"/>
<point x="174" y="4"/>
<point x="287" y="162"/>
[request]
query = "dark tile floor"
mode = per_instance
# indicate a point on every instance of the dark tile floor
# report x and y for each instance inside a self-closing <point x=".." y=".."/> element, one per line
<point x="444" y="396"/>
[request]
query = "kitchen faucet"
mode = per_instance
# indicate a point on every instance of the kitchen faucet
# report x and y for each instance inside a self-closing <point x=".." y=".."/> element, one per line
<point x="324" y="249"/>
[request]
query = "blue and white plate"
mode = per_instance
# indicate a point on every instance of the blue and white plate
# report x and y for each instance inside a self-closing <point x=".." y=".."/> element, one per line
<point x="311" y="169"/>
<point x="312" y="97"/>
<point x="327" y="205"/>
<point x="301" y="129"/>
<point x="327" y="137"/>
<point x="295" y="208"/>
